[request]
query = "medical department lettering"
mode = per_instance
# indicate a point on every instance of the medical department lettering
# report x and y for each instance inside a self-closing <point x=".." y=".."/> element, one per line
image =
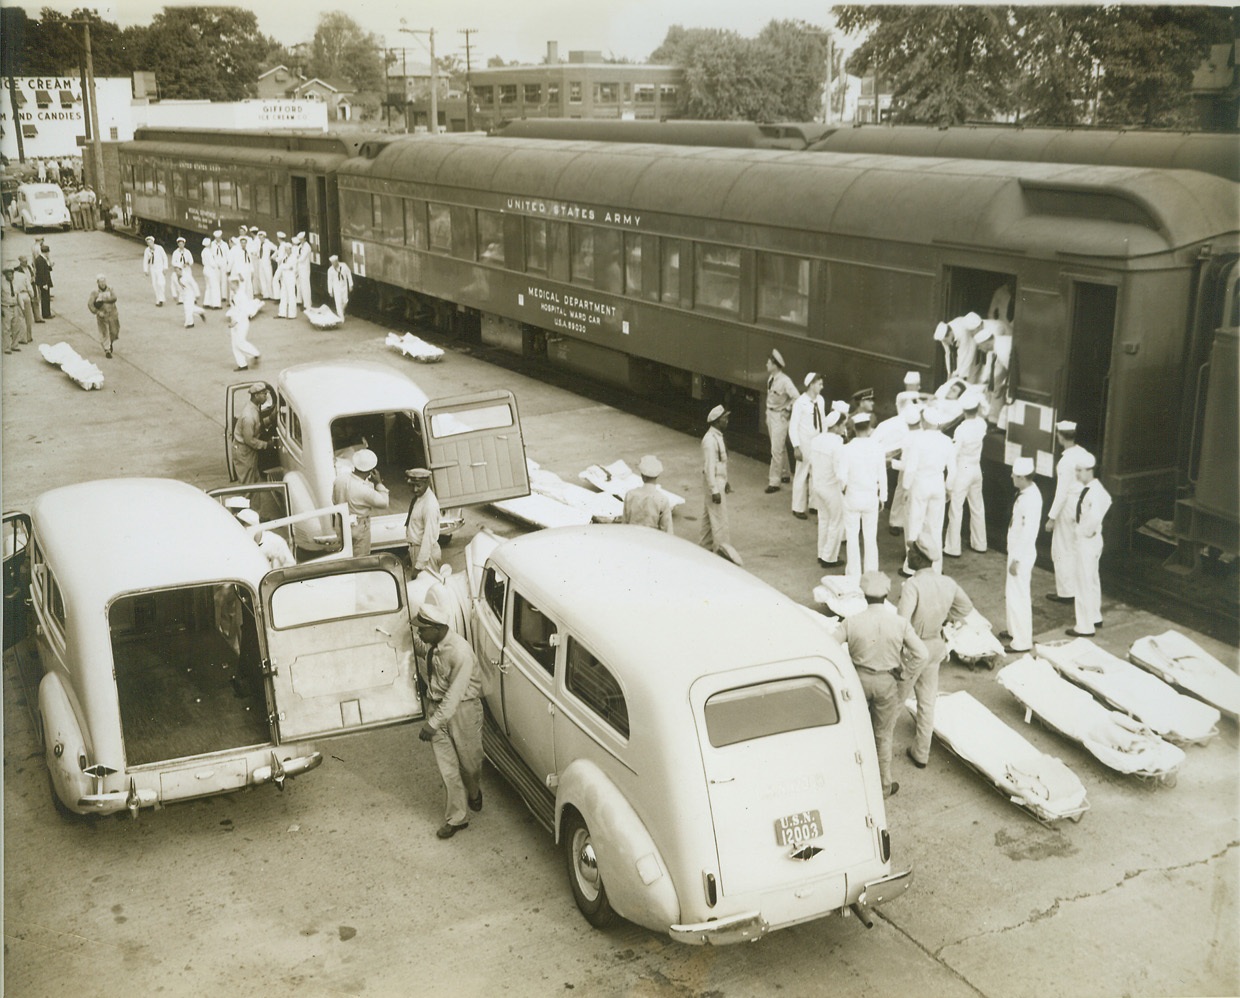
<point x="576" y="212"/>
<point x="569" y="312"/>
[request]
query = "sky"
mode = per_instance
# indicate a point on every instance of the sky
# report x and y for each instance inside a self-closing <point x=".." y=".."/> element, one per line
<point x="510" y="30"/>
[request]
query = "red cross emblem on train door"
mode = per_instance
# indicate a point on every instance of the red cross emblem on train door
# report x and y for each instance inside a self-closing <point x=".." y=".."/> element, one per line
<point x="359" y="257"/>
<point x="1031" y="433"/>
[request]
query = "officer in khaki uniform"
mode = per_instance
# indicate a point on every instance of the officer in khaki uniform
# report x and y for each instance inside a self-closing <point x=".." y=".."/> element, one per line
<point x="780" y="394"/>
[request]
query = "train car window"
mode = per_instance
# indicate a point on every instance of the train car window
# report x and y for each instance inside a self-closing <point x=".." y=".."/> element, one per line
<point x="210" y="195"/>
<point x="464" y="232"/>
<point x="536" y="245"/>
<point x="608" y="254"/>
<point x="277" y="201"/>
<point x="485" y="95"/>
<point x="376" y="214"/>
<point x="244" y="200"/>
<point x="491" y="237"/>
<point x="507" y="93"/>
<point x="129" y="175"/>
<point x="581" y="260"/>
<point x="226" y="193"/>
<point x="632" y="263"/>
<point x="262" y="198"/>
<point x="148" y="179"/>
<point x="439" y="225"/>
<point x="393" y="220"/>
<point x="717" y="277"/>
<point x="178" y="184"/>
<point x="193" y="186"/>
<point x="574" y="92"/>
<point x="161" y="183"/>
<point x="415" y="223"/>
<point x="783" y="288"/>
<point x="533" y="93"/>
<point x="671" y="271"/>
<point x="355" y="211"/>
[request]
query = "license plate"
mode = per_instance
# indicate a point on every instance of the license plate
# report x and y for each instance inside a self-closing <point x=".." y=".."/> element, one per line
<point x="796" y="829"/>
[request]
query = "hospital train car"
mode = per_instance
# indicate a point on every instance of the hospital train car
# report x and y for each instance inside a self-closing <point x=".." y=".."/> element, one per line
<point x="682" y="132"/>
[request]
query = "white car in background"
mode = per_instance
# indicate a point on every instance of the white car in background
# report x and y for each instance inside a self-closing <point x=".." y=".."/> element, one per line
<point x="39" y="206"/>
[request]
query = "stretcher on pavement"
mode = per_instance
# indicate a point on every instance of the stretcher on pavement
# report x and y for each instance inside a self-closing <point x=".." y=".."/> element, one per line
<point x="1114" y="739"/>
<point x="80" y="370"/>
<point x="553" y="502"/>
<point x="1178" y="660"/>
<point x="973" y="641"/>
<point x="323" y="317"/>
<point x="415" y="348"/>
<point x="1135" y="692"/>
<point x="618" y="479"/>
<point x="1039" y="784"/>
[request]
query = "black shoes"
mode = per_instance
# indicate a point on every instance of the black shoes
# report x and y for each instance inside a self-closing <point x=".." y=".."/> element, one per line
<point x="446" y="830"/>
<point x="892" y="790"/>
<point x="1056" y="598"/>
<point x="800" y="516"/>
<point x="475" y="802"/>
<point x="771" y="488"/>
<point x="829" y="564"/>
<point x="914" y="760"/>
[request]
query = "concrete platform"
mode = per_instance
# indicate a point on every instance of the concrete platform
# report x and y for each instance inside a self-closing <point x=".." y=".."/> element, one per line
<point x="1140" y="898"/>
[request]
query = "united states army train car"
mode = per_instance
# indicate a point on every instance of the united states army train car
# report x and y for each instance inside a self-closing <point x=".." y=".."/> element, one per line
<point x="678" y="270"/>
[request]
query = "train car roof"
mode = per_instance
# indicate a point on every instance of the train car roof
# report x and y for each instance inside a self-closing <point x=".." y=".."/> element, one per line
<point x="348" y="143"/>
<point x="686" y="132"/>
<point x="1044" y="208"/>
<point x="122" y="535"/>
<point x="1209" y="152"/>
<point x="633" y="594"/>
<point x="190" y="154"/>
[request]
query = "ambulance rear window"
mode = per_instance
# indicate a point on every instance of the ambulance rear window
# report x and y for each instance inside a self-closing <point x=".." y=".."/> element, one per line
<point x="773" y="708"/>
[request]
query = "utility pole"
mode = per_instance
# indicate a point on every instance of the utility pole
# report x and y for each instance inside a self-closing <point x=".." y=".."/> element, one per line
<point x="93" y="117"/>
<point x="469" y="89"/>
<point x="430" y="34"/>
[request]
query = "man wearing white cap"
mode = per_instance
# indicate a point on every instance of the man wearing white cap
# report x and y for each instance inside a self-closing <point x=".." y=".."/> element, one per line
<point x="883" y="647"/>
<point x="912" y="393"/>
<point x="716" y="534"/>
<point x="364" y="492"/>
<point x="182" y="262"/>
<point x="155" y="264"/>
<point x="929" y="470"/>
<point x="286" y="277"/>
<point x="967" y="486"/>
<point x="249" y="437"/>
<point x="339" y="283"/>
<point x="897" y="515"/>
<point x="422" y="523"/>
<point x="824" y="455"/>
<point x="244" y="352"/>
<point x="648" y="505"/>
<point x="186" y="289"/>
<point x="219" y="256"/>
<point x="1091" y="508"/>
<point x="261" y="253"/>
<point x="806" y="423"/>
<point x="210" y="276"/>
<point x="277" y="262"/>
<point x="781" y="393"/>
<point x="449" y="673"/>
<point x="241" y="268"/>
<point x="862" y="473"/>
<point x="1061" y="518"/>
<point x="273" y="546"/>
<point x="304" y="253"/>
<point x="1022" y="552"/>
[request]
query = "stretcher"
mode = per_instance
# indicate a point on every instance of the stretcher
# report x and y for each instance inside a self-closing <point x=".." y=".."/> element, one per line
<point x="1178" y="660"/>
<point x="415" y="348"/>
<point x="973" y="642"/>
<point x="80" y="370"/>
<point x="618" y="479"/>
<point x="1135" y="692"/>
<point x="323" y="317"/>
<point x="1039" y="784"/>
<point x="1114" y="739"/>
<point x="553" y="502"/>
<point x="841" y="595"/>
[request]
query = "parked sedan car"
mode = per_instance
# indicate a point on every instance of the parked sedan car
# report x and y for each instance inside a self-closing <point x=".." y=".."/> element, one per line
<point x="697" y="742"/>
<point x="39" y="206"/>
<point x="325" y="411"/>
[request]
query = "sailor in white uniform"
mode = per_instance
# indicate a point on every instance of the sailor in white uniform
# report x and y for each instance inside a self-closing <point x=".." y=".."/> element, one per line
<point x="1022" y="552"/>
<point x="1061" y="519"/>
<point x="967" y="487"/>
<point x="808" y="414"/>
<point x="1092" y="504"/>
<point x="862" y="473"/>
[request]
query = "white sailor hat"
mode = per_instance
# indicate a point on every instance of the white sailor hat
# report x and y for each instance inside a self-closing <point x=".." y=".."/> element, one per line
<point x="261" y="232"/>
<point x="180" y="239"/>
<point x="811" y="377"/>
<point x="150" y="239"/>
<point x="912" y="414"/>
<point x="650" y="467"/>
<point x="716" y="413"/>
<point x="941" y="331"/>
<point x="913" y="378"/>
<point x="243" y="238"/>
<point x="417" y="475"/>
<point x="281" y="235"/>
<point x="249" y="517"/>
<point x="1087" y="460"/>
<point x="301" y="235"/>
<point x="206" y="240"/>
<point x="218" y="233"/>
<point x="932" y="417"/>
<point x="1023" y="466"/>
<point x="778" y="358"/>
<point x="971" y="321"/>
<point x="985" y="333"/>
<point x="875" y="584"/>
<point x="833" y="417"/>
<point x="430" y="614"/>
<point x="365" y="460"/>
<point x="333" y="258"/>
<point x="841" y="406"/>
<point x="861" y="419"/>
<point x="1066" y="426"/>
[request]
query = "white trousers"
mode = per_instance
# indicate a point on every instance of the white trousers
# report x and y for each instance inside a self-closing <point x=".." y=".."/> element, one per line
<point x="926" y="508"/>
<point x="1088" y="585"/>
<point x="830" y="505"/>
<point x="211" y="296"/>
<point x="800" y="483"/>
<point x="242" y="348"/>
<point x="264" y="278"/>
<point x="191" y="309"/>
<point x="288" y="297"/>
<point x="303" y="287"/>
<point x="1019" y="606"/>
<point x="341" y="299"/>
<point x="158" y="280"/>
<point x="861" y="535"/>
<point x="777" y="427"/>
<point x="968" y="489"/>
<point x="1063" y="550"/>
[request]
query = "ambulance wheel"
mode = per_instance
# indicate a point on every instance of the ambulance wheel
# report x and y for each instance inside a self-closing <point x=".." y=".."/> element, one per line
<point x="583" y="873"/>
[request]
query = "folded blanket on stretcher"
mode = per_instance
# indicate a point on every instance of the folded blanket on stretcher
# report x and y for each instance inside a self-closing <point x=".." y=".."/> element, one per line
<point x="840" y="594"/>
<point x="553" y="502"/>
<point x="1132" y="690"/>
<point x="1114" y="739"/>
<point x="1031" y="779"/>
<point x="415" y="348"/>
<point x="973" y="641"/>
<point x="78" y="368"/>
<point x="1177" y="659"/>
<point x="618" y="479"/>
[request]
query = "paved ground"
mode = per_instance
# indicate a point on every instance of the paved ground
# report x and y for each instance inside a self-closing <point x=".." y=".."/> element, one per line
<point x="338" y="887"/>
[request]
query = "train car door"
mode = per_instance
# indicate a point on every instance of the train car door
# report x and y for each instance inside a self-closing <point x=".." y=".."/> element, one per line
<point x="301" y="204"/>
<point x="1089" y="362"/>
<point x="16" y="577"/>
<point x="475" y="449"/>
<point x="336" y="636"/>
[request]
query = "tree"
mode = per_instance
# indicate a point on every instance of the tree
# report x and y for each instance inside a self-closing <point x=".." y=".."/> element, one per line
<point x="342" y="50"/>
<point x="210" y="53"/>
<point x="55" y="47"/>
<point x="943" y="65"/>
<point x="1058" y="60"/>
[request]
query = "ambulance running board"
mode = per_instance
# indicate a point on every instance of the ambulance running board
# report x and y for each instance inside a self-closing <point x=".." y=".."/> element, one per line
<point x="537" y="796"/>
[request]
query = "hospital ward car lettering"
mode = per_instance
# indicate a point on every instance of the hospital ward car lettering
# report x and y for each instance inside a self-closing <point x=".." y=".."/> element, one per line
<point x="171" y="664"/>
<point x="325" y="411"/>
<point x="682" y="757"/>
